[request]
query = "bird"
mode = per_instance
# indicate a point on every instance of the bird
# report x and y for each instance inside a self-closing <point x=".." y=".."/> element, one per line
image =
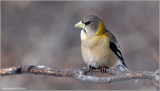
<point x="99" y="47"/>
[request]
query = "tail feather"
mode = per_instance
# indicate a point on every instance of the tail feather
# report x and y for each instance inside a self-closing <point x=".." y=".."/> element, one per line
<point x="122" y="66"/>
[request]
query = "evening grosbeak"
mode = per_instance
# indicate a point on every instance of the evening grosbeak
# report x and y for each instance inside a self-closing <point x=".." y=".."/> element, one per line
<point x="99" y="46"/>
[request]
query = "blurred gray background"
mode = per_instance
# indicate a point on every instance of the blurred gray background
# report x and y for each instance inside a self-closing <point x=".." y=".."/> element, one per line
<point x="43" y="33"/>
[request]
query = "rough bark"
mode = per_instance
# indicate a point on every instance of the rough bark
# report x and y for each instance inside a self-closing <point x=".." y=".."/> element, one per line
<point x="80" y="74"/>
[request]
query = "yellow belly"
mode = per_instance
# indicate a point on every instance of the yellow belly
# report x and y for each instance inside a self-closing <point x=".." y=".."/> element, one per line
<point x="96" y="53"/>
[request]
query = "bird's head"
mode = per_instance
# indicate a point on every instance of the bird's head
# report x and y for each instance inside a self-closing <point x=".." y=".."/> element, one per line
<point x="91" y="25"/>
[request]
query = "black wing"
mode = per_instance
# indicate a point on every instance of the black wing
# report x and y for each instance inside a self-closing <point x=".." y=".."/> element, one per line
<point x="115" y="49"/>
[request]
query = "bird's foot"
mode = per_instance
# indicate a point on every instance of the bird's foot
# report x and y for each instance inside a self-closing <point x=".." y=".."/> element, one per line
<point x="90" y="69"/>
<point x="103" y="69"/>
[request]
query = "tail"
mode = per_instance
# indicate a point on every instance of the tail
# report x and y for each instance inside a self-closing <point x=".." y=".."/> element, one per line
<point x="122" y="66"/>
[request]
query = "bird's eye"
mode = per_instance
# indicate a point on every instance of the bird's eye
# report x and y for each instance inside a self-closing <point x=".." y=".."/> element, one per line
<point x="87" y="23"/>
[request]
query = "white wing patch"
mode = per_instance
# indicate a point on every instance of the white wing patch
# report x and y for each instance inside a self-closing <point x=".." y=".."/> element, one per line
<point x="121" y="66"/>
<point x="118" y="47"/>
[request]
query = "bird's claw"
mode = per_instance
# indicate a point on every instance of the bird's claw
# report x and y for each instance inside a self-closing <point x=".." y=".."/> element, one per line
<point x="90" y="69"/>
<point x="103" y="69"/>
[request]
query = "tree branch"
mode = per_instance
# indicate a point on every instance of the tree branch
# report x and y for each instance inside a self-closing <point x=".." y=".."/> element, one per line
<point x="79" y="74"/>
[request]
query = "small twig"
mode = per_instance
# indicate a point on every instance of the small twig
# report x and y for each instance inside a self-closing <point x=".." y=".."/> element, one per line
<point x="79" y="74"/>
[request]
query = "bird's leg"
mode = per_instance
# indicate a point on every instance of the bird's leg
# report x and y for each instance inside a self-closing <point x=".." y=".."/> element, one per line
<point x="103" y="69"/>
<point x="100" y="68"/>
<point x="90" y="69"/>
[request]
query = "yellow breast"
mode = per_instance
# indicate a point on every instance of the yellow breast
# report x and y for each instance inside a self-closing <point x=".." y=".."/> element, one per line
<point x="96" y="52"/>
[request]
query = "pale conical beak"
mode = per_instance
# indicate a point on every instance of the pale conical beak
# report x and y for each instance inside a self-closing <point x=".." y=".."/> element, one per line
<point x="80" y="25"/>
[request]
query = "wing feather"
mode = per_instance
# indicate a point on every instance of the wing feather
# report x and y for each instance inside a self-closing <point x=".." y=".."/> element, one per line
<point x="118" y="53"/>
<point x="115" y="47"/>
